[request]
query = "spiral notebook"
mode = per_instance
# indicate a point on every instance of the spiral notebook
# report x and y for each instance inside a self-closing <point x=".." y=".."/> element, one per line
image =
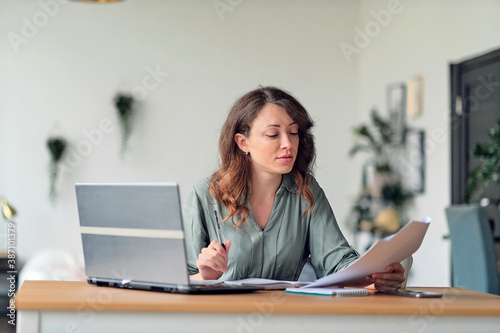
<point x="335" y="292"/>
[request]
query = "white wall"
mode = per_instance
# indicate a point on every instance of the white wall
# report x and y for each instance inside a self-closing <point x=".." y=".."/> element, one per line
<point x="65" y="75"/>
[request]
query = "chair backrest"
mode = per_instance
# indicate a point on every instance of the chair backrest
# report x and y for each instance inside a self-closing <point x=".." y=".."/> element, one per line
<point x="472" y="250"/>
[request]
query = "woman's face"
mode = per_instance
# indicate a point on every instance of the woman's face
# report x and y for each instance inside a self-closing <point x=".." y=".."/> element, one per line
<point x="273" y="141"/>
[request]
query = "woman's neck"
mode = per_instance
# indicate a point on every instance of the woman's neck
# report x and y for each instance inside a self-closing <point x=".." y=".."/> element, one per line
<point x="262" y="194"/>
<point x="263" y="188"/>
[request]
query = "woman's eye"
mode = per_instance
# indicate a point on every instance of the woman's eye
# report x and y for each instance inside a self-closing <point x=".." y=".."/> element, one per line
<point x="272" y="135"/>
<point x="294" y="133"/>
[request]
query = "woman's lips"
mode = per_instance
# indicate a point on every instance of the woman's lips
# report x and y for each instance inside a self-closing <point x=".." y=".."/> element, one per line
<point x="286" y="158"/>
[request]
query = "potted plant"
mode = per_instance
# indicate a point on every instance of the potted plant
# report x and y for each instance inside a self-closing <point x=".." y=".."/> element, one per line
<point x="384" y="201"/>
<point x="376" y="139"/>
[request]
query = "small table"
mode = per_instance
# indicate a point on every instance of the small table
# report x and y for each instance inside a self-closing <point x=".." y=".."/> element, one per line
<point x="64" y="306"/>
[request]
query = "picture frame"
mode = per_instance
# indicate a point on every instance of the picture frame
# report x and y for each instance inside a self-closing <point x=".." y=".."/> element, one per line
<point x="415" y="97"/>
<point x="411" y="163"/>
<point x="396" y="106"/>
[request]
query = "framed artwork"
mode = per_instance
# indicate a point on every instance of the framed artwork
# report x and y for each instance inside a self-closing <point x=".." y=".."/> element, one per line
<point x="396" y="106"/>
<point x="412" y="162"/>
<point x="415" y="97"/>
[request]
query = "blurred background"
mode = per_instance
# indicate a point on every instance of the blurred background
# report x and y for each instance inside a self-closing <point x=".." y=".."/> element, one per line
<point x="64" y="63"/>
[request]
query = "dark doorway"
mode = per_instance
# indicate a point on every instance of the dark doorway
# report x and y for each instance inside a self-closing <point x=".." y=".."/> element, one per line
<point x="475" y="108"/>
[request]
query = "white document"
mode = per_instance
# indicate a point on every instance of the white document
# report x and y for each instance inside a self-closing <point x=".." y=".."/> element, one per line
<point x="394" y="248"/>
<point x="267" y="283"/>
<point x="336" y="292"/>
<point x="204" y="282"/>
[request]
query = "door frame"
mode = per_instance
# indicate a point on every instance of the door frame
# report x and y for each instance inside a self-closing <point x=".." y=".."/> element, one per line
<point x="459" y="121"/>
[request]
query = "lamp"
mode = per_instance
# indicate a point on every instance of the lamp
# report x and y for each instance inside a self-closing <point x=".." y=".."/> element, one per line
<point x="7" y="210"/>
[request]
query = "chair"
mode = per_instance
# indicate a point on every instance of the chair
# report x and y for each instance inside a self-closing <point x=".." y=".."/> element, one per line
<point x="473" y="259"/>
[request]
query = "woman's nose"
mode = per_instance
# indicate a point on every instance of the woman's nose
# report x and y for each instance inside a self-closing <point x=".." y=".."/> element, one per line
<point x="286" y="141"/>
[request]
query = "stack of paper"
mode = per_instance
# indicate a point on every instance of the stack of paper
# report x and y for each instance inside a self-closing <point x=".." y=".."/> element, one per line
<point x="394" y="248"/>
<point x="267" y="283"/>
<point x="336" y="292"/>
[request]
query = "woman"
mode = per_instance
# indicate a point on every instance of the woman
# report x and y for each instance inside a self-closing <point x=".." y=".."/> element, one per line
<point x="273" y="212"/>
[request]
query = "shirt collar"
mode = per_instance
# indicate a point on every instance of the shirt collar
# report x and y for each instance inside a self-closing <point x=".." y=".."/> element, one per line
<point x="288" y="183"/>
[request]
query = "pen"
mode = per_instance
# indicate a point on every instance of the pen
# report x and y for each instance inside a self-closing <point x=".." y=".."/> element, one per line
<point x="218" y="228"/>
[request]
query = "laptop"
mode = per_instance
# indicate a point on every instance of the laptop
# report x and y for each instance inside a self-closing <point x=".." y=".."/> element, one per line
<point x="133" y="237"/>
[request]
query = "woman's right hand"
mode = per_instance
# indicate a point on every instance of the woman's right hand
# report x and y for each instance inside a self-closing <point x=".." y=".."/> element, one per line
<point x="212" y="261"/>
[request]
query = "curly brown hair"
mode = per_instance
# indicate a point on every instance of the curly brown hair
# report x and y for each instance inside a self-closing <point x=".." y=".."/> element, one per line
<point x="229" y="184"/>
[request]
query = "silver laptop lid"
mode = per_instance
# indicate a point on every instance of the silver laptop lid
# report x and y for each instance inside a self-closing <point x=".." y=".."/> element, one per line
<point x="133" y="232"/>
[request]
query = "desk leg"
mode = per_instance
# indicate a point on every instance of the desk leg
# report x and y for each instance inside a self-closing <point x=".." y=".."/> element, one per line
<point x="28" y="321"/>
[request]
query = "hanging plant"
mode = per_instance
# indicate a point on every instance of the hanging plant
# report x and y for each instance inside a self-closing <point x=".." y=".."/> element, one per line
<point x="57" y="147"/>
<point x="124" y="104"/>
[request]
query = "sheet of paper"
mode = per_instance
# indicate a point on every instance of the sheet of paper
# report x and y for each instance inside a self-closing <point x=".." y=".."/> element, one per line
<point x="391" y="249"/>
<point x="329" y="291"/>
<point x="267" y="283"/>
<point x="204" y="282"/>
<point x="279" y="284"/>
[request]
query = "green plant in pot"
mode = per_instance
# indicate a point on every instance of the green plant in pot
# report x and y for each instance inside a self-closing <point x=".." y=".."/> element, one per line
<point x="388" y="198"/>
<point x="488" y="171"/>
<point x="378" y="141"/>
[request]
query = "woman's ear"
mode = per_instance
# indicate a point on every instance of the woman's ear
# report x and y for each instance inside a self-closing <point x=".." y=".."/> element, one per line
<point x="241" y="141"/>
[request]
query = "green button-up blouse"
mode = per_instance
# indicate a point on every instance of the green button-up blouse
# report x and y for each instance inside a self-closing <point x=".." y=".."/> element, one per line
<point x="282" y="248"/>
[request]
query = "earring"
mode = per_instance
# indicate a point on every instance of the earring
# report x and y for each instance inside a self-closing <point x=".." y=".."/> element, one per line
<point x="247" y="153"/>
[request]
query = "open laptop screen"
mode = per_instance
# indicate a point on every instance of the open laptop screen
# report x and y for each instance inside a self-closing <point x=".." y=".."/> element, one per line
<point x="133" y="232"/>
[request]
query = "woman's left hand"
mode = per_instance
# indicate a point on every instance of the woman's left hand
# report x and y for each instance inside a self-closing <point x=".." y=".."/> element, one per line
<point x="390" y="280"/>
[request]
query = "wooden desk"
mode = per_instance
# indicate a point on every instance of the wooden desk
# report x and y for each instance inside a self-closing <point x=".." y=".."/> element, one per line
<point x="63" y="306"/>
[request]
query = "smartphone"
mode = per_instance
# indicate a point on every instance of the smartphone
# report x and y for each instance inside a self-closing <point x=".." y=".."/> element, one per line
<point x="413" y="293"/>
